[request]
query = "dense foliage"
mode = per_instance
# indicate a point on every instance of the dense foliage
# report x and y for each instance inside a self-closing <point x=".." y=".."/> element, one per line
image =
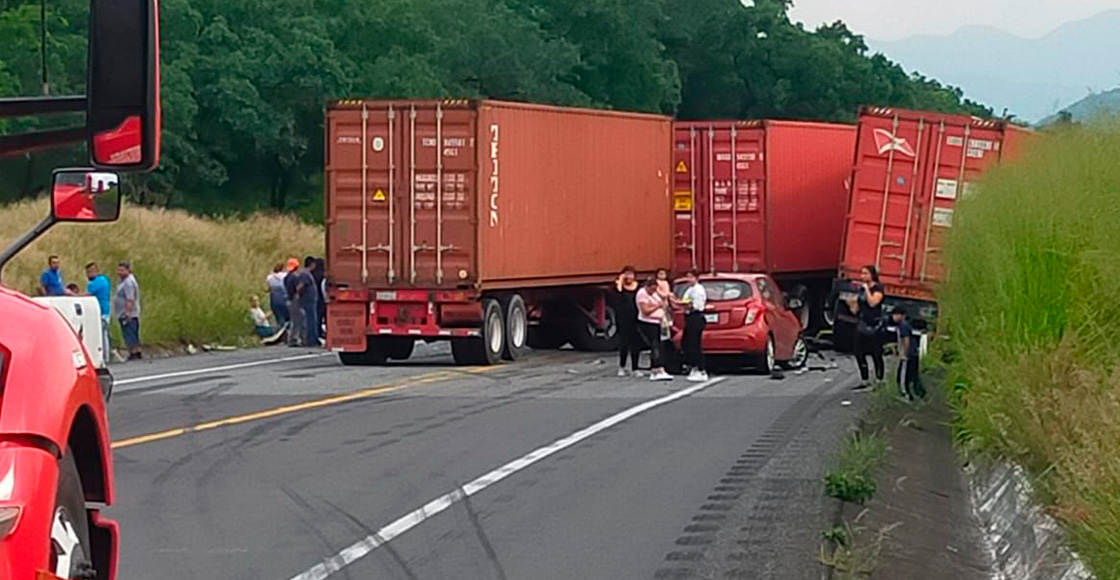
<point x="244" y="82"/>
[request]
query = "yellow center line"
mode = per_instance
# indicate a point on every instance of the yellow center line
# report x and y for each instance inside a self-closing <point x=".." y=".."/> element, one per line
<point x="295" y="408"/>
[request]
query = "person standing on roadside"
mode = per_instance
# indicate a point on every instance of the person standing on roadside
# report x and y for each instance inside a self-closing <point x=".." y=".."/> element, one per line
<point x="100" y="288"/>
<point x="298" y="328"/>
<point x="626" y="313"/>
<point x="277" y="295"/>
<point x="651" y="318"/>
<point x="309" y="302"/>
<point x="127" y="307"/>
<point x="321" y="285"/>
<point x="695" y="302"/>
<point x="868" y="308"/>
<point x="909" y="360"/>
<point x="50" y="281"/>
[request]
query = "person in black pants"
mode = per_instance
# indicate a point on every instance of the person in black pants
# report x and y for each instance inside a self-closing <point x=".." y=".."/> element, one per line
<point x="695" y="302"/>
<point x="868" y="307"/>
<point x="909" y="357"/>
<point x="626" y="315"/>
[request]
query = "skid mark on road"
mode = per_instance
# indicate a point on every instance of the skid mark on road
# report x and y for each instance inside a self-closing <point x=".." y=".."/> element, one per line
<point x="294" y="408"/>
<point x="381" y="537"/>
<point x="193" y="372"/>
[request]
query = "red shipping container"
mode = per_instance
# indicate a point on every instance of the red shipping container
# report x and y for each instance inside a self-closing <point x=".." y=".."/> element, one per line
<point x="437" y="202"/>
<point x="910" y="168"/>
<point x="763" y="196"/>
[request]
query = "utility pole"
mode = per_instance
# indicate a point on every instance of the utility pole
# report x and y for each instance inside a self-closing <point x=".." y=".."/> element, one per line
<point x="43" y="44"/>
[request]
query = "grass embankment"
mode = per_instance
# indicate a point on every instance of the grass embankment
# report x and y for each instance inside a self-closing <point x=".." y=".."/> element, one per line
<point x="195" y="274"/>
<point x="1032" y="309"/>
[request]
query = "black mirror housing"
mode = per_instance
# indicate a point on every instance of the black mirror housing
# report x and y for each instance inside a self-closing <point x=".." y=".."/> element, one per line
<point x="123" y="115"/>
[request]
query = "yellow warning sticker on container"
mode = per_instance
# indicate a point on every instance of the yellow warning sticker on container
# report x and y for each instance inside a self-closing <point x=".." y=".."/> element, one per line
<point x="682" y="204"/>
<point x="379" y="195"/>
<point x="682" y="167"/>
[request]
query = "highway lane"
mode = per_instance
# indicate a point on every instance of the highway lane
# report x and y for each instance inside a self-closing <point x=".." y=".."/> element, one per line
<point x="275" y="494"/>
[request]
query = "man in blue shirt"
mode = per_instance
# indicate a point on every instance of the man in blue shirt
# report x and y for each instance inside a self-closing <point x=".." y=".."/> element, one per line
<point x="100" y="288"/>
<point x="50" y="282"/>
<point x="909" y="363"/>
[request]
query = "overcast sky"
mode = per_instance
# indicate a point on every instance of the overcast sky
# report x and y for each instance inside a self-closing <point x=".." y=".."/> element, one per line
<point x="895" y="19"/>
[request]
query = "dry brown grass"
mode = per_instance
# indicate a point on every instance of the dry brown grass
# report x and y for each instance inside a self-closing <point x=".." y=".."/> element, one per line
<point x="195" y="274"/>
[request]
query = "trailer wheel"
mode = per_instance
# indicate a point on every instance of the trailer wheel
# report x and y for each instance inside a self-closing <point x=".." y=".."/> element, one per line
<point x="397" y="348"/>
<point x="517" y="327"/>
<point x="373" y="355"/>
<point x="588" y="338"/>
<point x="69" y="536"/>
<point x="487" y="349"/>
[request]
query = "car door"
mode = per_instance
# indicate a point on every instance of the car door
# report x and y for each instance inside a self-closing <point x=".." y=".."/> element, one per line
<point x="783" y="324"/>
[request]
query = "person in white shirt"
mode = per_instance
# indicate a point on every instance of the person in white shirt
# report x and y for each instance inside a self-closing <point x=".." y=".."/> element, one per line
<point x="268" y="333"/>
<point x="695" y="301"/>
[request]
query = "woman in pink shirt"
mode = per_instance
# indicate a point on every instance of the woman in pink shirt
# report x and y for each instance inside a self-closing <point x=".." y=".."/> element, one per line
<point x="652" y="310"/>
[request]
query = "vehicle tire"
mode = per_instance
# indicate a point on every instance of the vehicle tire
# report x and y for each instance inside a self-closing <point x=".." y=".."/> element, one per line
<point x="828" y="309"/>
<point x="396" y="348"/>
<point x="766" y="363"/>
<point x="517" y="327"/>
<point x="547" y="337"/>
<point x="587" y="338"/>
<point x="374" y="355"/>
<point x="805" y="313"/>
<point x="69" y="528"/>
<point x="487" y="349"/>
<point x="800" y="355"/>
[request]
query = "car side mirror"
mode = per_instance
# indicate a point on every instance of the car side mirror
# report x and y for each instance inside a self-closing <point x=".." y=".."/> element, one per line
<point x="123" y="114"/>
<point x="85" y="195"/>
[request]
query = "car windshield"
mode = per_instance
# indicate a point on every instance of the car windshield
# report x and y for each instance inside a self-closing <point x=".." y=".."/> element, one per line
<point x="720" y="290"/>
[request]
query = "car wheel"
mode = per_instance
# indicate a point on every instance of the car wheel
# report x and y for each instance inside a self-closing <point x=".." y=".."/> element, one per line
<point x="69" y="537"/>
<point x="800" y="355"/>
<point x="766" y="361"/>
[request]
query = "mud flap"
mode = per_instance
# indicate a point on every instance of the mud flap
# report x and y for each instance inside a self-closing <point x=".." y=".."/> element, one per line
<point x="104" y="539"/>
<point x="346" y="326"/>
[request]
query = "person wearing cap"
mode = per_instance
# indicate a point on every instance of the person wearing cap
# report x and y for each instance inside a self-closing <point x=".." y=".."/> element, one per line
<point x="297" y="328"/>
<point x="126" y="305"/>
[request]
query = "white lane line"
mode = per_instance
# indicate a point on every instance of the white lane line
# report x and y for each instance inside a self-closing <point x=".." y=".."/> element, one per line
<point x="192" y="372"/>
<point x="363" y="547"/>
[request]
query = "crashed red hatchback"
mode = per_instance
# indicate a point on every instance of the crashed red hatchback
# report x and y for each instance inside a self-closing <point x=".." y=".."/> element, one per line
<point x="749" y="320"/>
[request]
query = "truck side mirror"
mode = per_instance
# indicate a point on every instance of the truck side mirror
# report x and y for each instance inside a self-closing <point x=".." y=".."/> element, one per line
<point x="85" y="195"/>
<point x="123" y="115"/>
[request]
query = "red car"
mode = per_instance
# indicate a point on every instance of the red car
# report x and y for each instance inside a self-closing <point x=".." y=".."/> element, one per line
<point x="56" y="468"/>
<point x="750" y="320"/>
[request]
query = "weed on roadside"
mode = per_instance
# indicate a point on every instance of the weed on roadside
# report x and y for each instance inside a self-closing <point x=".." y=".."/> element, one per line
<point x="852" y="477"/>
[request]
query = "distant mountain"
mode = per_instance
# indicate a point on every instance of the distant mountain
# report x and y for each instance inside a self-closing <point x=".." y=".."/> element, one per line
<point x="1032" y="77"/>
<point x="1090" y="107"/>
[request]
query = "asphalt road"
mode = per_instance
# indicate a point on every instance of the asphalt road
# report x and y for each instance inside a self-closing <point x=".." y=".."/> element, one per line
<point x="282" y="464"/>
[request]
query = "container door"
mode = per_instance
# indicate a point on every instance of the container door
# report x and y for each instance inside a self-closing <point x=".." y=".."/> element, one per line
<point x="686" y="227"/>
<point x="886" y="187"/>
<point x="957" y="156"/>
<point x="741" y="212"/>
<point x="360" y="186"/>
<point x="435" y="211"/>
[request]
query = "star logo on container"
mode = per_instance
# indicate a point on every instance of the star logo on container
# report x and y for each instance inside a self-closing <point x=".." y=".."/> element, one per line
<point x="885" y="141"/>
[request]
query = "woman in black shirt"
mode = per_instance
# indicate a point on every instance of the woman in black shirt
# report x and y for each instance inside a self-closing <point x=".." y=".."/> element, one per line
<point x="868" y="307"/>
<point x="626" y="315"/>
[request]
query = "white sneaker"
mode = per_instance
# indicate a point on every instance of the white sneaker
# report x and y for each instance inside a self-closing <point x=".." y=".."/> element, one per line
<point x="661" y="376"/>
<point x="622" y="373"/>
<point x="698" y="377"/>
<point x="638" y="374"/>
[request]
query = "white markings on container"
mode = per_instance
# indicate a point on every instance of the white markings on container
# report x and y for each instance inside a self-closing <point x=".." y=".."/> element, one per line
<point x="368" y="544"/>
<point x="494" y="189"/>
<point x="947" y="188"/>
<point x="943" y="217"/>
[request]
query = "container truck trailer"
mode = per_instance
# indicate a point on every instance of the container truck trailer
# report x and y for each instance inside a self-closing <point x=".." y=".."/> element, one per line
<point x="498" y="226"/>
<point x="764" y="196"/>
<point x="910" y="169"/>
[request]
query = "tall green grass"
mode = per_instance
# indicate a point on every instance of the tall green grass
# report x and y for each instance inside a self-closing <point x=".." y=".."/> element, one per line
<point x="195" y="274"/>
<point x="1032" y="308"/>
